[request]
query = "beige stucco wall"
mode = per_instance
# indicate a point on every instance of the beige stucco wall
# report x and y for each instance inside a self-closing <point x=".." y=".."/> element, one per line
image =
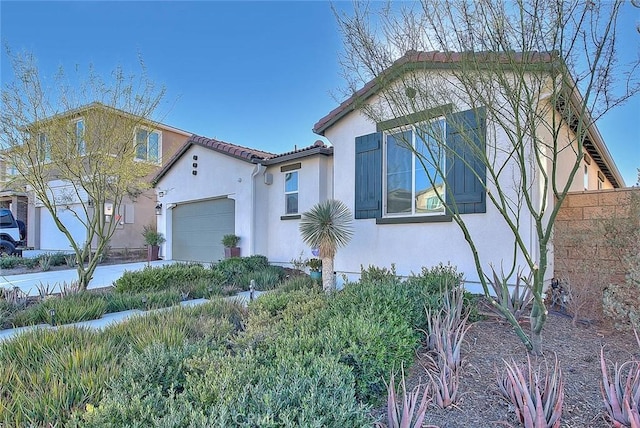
<point x="579" y="217"/>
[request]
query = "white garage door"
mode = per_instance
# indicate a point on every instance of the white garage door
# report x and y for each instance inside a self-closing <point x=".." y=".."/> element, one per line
<point x="198" y="228"/>
<point x="50" y="236"/>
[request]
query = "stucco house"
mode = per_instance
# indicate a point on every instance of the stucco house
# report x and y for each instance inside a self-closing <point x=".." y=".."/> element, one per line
<point x="154" y="144"/>
<point x="211" y="188"/>
<point x="397" y="218"/>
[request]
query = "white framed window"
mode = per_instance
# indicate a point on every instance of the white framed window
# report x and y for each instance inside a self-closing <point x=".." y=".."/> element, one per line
<point x="78" y="135"/>
<point x="11" y="171"/>
<point x="44" y="147"/>
<point x="291" y="192"/>
<point x="411" y="180"/>
<point x="148" y="145"/>
<point x="586" y="177"/>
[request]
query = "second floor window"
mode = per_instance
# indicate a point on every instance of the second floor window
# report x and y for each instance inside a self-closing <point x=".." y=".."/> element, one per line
<point x="44" y="148"/>
<point x="148" y="145"/>
<point x="80" y="142"/>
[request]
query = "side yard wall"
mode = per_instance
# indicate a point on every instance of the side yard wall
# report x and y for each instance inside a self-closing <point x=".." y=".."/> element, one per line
<point x="594" y="232"/>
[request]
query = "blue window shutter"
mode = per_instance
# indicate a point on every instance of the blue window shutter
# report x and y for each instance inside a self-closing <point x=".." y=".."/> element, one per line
<point x="466" y="133"/>
<point x="368" y="179"/>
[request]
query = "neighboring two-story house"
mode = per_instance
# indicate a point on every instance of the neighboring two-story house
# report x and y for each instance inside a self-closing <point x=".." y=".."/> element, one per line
<point x="153" y="143"/>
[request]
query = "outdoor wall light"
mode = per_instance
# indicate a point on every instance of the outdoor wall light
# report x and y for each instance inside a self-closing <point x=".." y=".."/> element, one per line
<point x="158" y="208"/>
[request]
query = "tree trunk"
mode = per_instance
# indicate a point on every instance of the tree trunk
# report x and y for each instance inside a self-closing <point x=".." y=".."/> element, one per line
<point x="328" y="281"/>
<point x="85" y="275"/>
<point x="537" y="319"/>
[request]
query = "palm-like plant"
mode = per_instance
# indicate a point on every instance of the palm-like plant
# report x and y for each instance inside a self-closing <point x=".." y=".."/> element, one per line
<point x="327" y="226"/>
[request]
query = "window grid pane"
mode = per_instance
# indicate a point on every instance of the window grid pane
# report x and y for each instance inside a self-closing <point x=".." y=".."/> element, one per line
<point x="154" y="143"/>
<point x="291" y="192"/>
<point x="80" y="142"/>
<point x="141" y="145"/>
<point x="409" y="189"/>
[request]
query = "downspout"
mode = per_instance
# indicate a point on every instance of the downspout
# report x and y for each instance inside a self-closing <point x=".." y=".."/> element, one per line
<point x="259" y="169"/>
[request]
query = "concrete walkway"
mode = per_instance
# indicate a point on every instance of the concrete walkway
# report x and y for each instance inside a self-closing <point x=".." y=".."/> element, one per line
<point x="118" y="317"/>
<point x="103" y="276"/>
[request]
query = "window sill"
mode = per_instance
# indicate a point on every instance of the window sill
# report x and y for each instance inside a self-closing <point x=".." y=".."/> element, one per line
<point x="291" y="217"/>
<point x="416" y="219"/>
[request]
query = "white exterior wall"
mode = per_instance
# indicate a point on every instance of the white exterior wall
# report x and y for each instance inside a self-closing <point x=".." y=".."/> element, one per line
<point x="280" y="238"/>
<point x="219" y="176"/>
<point x="414" y="245"/>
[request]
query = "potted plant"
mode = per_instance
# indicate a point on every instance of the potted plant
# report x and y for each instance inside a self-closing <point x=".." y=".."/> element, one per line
<point x="315" y="268"/>
<point x="153" y="239"/>
<point x="231" y="248"/>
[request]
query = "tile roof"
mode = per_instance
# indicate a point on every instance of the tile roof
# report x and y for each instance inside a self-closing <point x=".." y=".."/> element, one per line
<point x="317" y="147"/>
<point x="243" y="153"/>
<point x="240" y="152"/>
<point x="434" y="57"/>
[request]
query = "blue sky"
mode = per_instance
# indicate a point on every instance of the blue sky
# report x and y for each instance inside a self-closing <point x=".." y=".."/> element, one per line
<point x="257" y="74"/>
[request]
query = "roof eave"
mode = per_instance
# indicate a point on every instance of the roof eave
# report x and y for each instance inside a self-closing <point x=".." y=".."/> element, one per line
<point x="326" y="151"/>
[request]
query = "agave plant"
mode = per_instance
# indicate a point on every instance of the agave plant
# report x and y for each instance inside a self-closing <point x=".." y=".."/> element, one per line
<point x="621" y="393"/>
<point x="327" y="226"/>
<point x="515" y="301"/>
<point x="406" y="412"/>
<point x="537" y="398"/>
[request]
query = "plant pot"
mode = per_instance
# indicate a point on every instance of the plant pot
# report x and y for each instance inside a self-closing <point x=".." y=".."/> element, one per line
<point x="152" y="252"/>
<point x="231" y="252"/>
<point x="315" y="275"/>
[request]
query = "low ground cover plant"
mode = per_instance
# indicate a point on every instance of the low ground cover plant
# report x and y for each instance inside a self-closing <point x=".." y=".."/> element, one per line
<point x="50" y="259"/>
<point x="295" y="357"/>
<point x="46" y="375"/>
<point x="150" y="288"/>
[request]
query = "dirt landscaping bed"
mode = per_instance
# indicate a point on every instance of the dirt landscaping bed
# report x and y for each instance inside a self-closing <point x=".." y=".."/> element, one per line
<point x="490" y="342"/>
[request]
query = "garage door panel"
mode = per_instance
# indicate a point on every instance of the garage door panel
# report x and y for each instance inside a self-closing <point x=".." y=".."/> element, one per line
<point x="50" y="236"/>
<point x="198" y="229"/>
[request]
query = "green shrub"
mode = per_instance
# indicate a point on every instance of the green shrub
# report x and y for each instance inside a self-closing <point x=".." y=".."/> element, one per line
<point x="7" y="313"/>
<point x="379" y="275"/>
<point x="58" y="258"/>
<point x="207" y="286"/>
<point x="437" y="278"/>
<point x="144" y="391"/>
<point x="266" y="278"/>
<point x="30" y="263"/>
<point x="237" y="271"/>
<point x="368" y="327"/>
<point x="297" y="282"/>
<point x="162" y="278"/>
<point x="10" y="262"/>
<point x="232" y="270"/>
<point x="256" y="262"/>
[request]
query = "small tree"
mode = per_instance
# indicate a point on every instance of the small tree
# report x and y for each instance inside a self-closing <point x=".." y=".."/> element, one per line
<point x="327" y="226"/>
<point x="72" y="145"/>
<point x="538" y="73"/>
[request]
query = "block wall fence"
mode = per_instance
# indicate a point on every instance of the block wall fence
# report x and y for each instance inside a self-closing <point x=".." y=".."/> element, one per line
<point x="580" y="239"/>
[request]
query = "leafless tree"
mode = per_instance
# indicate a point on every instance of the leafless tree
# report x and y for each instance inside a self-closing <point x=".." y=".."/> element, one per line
<point x="540" y="71"/>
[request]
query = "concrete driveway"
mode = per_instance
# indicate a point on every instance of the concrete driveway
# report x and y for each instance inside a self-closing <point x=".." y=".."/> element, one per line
<point x="103" y="276"/>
